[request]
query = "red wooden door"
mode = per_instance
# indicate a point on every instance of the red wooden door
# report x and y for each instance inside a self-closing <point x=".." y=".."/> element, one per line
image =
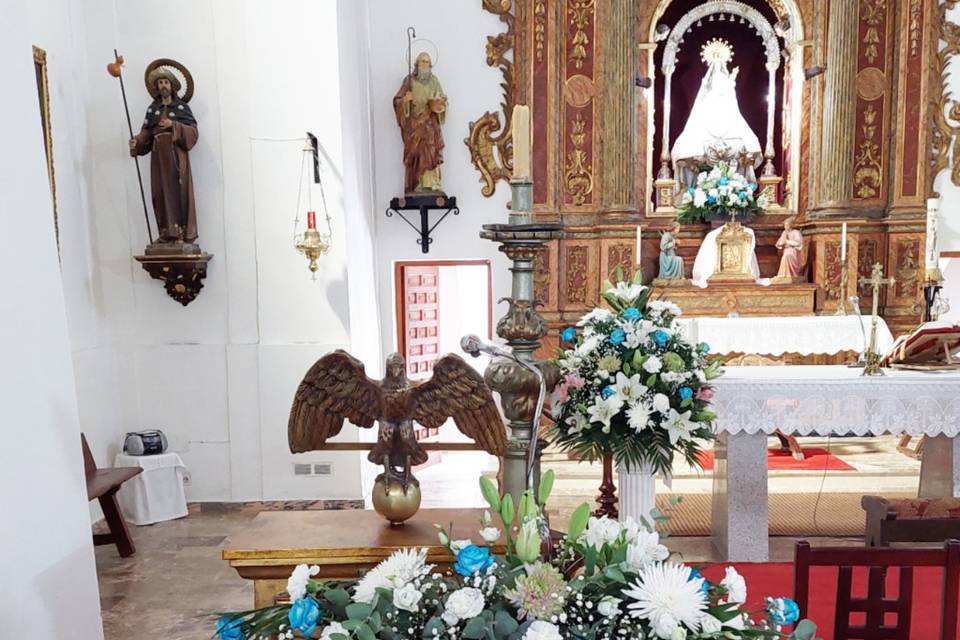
<point x="421" y="317"/>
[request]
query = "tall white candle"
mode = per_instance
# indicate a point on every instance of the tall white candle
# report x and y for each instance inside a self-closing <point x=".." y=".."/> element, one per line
<point x="520" y="128"/>
<point x="932" y="253"/>
<point x="639" y="244"/>
<point x="843" y="243"/>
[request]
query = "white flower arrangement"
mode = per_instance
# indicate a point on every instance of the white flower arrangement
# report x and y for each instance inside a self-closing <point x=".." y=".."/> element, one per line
<point x="719" y="192"/>
<point x="603" y="580"/>
<point x="632" y="385"/>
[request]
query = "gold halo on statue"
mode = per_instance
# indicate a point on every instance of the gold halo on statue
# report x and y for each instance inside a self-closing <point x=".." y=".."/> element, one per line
<point x="180" y="77"/>
<point x="416" y="45"/>
<point x="716" y="50"/>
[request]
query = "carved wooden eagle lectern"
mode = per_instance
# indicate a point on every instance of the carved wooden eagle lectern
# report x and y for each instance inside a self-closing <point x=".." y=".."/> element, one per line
<point x="336" y="388"/>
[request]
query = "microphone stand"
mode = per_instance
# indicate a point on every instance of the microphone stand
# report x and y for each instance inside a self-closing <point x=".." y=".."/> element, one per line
<point x="861" y="358"/>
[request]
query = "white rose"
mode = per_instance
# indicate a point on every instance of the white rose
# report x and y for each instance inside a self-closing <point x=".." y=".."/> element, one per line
<point x="601" y="531"/>
<point x="457" y="545"/>
<point x="653" y="364"/>
<point x="679" y="634"/>
<point x="407" y="598"/>
<point x="661" y="403"/>
<point x="709" y="624"/>
<point x="541" y="630"/>
<point x="463" y="604"/>
<point x="664" y="626"/>
<point x="490" y="534"/>
<point x="736" y="586"/>
<point x="297" y="582"/>
<point x="609" y="607"/>
<point x="332" y="628"/>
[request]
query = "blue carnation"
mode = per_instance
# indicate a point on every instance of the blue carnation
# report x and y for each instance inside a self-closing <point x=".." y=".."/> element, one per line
<point x="472" y="559"/>
<point x="686" y="393"/>
<point x="607" y="391"/>
<point x="230" y="628"/>
<point x="568" y="335"/>
<point x="704" y="347"/>
<point x="696" y="575"/>
<point x="711" y="199"/>
<point x="631" y="313"/>
<point x="617" y="336"/>
<point x="303" y="616"/>
<point x="783" y="611"/>
<point x="752" y="186"/>
<point x="661" y="337"/>
<point x="724" y="180"/>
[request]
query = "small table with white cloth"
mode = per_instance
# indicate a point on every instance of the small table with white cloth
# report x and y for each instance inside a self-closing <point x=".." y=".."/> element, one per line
<point x="777" y="336"/>
<point x="753" y="402"/>
<point x="155" y="495"/>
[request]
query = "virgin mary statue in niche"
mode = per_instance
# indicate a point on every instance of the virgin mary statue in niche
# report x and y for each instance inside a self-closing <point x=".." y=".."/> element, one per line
<point x="715" y="129"/>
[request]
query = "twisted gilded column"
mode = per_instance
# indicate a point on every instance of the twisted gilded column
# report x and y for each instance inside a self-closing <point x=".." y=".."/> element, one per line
<point x="617" y="89"/>
<point x="839" y="107"/>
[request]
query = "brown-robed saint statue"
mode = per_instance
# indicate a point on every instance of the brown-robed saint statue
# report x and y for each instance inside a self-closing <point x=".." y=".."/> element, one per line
<point x="421" y="108"/>
<point x="169" y="132"/>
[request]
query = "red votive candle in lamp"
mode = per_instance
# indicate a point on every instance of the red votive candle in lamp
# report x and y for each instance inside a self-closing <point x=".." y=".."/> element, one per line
<point x="311" y="220"/>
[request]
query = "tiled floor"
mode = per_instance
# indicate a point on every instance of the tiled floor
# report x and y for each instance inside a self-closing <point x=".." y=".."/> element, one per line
<point x="175" y="583"/>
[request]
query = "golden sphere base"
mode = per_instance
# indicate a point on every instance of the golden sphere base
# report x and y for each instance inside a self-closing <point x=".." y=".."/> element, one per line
<point x="391" y="502"/>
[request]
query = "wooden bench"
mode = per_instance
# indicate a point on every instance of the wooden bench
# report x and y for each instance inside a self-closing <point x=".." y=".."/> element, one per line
<point x="102" y="485"/>
<point x="910" y="520"/>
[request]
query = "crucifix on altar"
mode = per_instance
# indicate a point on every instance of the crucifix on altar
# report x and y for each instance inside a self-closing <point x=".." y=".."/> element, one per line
<point x="876" y="280"/>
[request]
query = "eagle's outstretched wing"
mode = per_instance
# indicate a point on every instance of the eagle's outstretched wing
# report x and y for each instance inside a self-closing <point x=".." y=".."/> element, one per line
<point x="456" y="390"/>
<point x="335" y="388"/>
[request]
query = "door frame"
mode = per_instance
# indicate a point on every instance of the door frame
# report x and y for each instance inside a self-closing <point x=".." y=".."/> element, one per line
<point x="399" y="292"/>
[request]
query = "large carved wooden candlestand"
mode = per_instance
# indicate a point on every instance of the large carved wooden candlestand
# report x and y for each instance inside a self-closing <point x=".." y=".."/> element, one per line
<point x="522" y="328"/>
<point x="607" y="499"/>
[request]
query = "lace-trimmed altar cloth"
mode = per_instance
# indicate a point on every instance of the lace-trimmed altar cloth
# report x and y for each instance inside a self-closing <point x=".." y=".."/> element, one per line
<point x="836" y="400"/>
<point x="804" y="335"/>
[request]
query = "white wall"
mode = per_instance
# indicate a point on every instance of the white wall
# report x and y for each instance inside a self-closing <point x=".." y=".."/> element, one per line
<point x="460" y="29"/>
<point x="48" y="578"/>
<point x="219" y="375"/>
<point x="949" y="192"/>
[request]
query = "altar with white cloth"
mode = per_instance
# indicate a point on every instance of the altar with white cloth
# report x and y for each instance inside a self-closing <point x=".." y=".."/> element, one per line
<point x="777" y="336"/>
<point x="753" y="402"/>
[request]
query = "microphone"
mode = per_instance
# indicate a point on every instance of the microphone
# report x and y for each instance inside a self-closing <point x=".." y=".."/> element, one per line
<point x="473" y="345"/>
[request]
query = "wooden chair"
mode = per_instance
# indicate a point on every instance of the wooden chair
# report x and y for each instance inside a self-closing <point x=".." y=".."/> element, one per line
<point x="876" y="606"/>
<point x="102" y="485"/>
<point x="910" y="520"/>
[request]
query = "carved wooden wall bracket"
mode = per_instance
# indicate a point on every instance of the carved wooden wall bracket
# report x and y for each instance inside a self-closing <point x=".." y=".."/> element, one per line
<point x="490" y="141"/>
<point x="946" y="108"/>
<point x="182" y="276"/>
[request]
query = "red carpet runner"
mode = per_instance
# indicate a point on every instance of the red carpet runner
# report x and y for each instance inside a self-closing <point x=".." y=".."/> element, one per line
<point x="776" y="580"/>
<point x="777" y="460"/>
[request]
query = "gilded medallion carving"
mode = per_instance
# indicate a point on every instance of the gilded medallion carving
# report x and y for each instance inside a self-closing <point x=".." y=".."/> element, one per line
<point x="946" y="111"/>
<point x="581" y="13"/>
<point x="867" y="170"/>
<point x="491" y="141"/>
<point x="578" y="177"/>
<point x="576" y="274"/>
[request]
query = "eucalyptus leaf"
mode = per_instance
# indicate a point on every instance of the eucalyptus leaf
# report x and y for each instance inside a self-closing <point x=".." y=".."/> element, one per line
<point x="805" y="630"/>
<point x="359" y="611"/>
<point x="476" y="628"/>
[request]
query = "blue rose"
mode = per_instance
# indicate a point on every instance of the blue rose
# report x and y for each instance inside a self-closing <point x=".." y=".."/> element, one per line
<point x="631" y="313"/>
<point x="607" y="391"/>
<point x="752" y="186"/>
<point x="711" y="199"/>
<point x="617" y="336"/>
<point x="661" y="337"/>
<point x="568" y="335"/>
<point x="704" y="347"/>
<point x="472" y="559"/>
<point x="783" y="611"/>
<point x="229" y="628"/>
<point x="686" y="393"/>
<point x="696" y="575"/>
<point x="724" y="180"/>
<point x="303" y="616"/>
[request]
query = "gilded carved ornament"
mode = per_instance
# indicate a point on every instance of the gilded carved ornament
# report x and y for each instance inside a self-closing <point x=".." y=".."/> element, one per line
<point x="946" y="109"/>
<point x="872" y="13"/>
<point x="579" y="179"/>
<point x="867" y="175"/>
<point x="490" y="142"/>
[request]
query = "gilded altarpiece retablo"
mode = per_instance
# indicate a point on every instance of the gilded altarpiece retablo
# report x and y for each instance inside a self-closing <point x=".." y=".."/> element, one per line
<point x="586" y="69"/>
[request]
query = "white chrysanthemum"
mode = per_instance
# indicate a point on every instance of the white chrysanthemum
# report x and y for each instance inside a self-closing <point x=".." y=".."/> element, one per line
<point x="663" y="592"/>
<point x="297" y="582"/>
<point x="541" y="630"/>
<point x="645" y="549"/>
<point x="629" y="389"/>
<point x="736" y="586"/>
<point x="661" y="306"/>
<point x="601" y="531"/>
<point x="638" y="416"/>
<point x="401" y="567"/>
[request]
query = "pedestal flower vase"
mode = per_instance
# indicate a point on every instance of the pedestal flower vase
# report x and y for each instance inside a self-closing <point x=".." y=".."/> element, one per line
<point x="638" y="492"/>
